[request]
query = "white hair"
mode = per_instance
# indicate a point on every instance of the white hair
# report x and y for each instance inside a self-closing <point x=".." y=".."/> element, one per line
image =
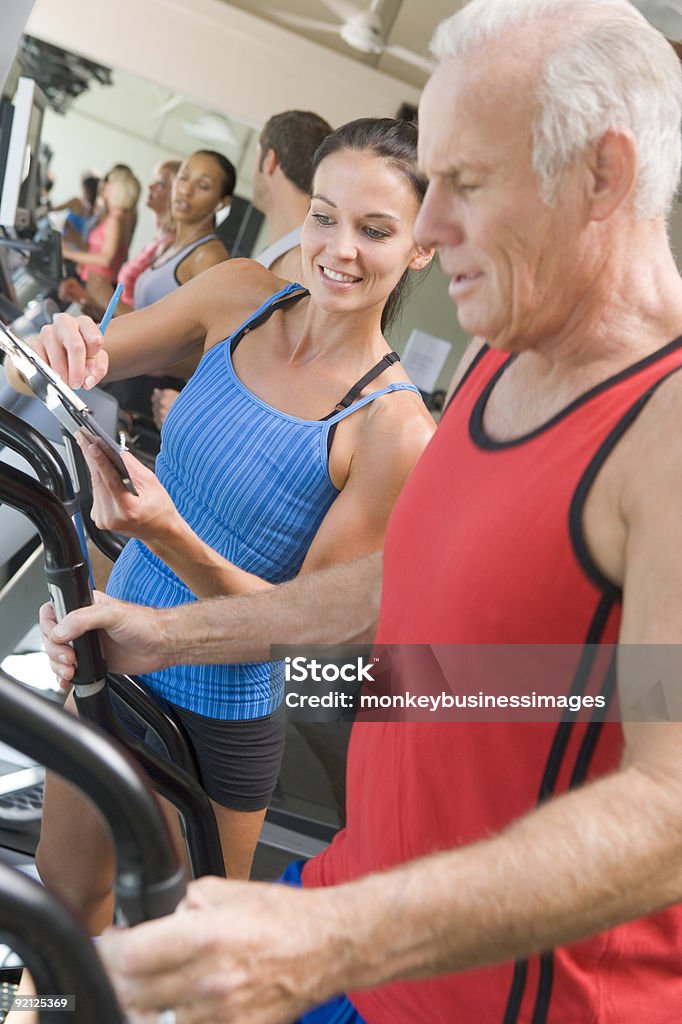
<point x="606" y="68"/>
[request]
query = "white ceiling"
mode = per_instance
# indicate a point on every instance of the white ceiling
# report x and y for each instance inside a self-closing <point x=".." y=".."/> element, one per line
<point x="410" y="24"/>
<point x="234" y="57"/>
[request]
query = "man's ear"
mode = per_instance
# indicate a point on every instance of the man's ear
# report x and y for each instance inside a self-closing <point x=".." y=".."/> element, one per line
<point x="270" y="162"/>
<point x="421" y="258"/>
<point x="612" y="167"/>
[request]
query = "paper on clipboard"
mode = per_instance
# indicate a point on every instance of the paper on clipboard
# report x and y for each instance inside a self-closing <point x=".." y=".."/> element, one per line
<point x="63" y="403"/>
<point x="424" y="358"/>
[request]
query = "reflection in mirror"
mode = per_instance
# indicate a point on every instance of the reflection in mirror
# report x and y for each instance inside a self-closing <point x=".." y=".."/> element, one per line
<point x="122" y="118"/>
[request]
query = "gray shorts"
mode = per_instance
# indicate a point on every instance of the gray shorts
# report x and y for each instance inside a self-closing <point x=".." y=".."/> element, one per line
<point x="238" y="761"/>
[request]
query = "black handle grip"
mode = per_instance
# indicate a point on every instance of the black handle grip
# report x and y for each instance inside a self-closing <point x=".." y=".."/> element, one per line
<point x="69" y="589"/>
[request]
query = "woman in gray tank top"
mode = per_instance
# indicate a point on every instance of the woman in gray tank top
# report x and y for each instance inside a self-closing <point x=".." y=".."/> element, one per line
<point x="203" y="185"/>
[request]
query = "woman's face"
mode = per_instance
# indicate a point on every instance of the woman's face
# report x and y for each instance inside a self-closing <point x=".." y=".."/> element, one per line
<point x="357" y="237"/>
<point x="197" y="189"/>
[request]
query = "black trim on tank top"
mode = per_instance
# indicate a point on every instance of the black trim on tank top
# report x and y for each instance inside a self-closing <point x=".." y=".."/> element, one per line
<point x="593" y="731"/>
<point x="198" y="245"/>
<point x="544" y="996"/>
<point x="580" y="770"/>
<point x="481" y="439"/>
<point x="467" y="373"/>
<point x="575" y="516"/>
<point x="254" y="322"/>
<point x="547" y="786"/>
<point x="388" y="360"/>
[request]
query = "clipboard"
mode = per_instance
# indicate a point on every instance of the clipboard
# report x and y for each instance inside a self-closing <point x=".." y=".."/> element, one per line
<point x="71" y="411"/>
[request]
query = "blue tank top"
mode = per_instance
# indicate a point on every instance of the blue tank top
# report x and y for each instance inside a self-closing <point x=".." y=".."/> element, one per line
<point x="251" y="481"/>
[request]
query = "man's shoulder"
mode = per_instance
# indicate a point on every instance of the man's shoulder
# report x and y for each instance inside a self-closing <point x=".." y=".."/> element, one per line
<point x="650" y="460"/>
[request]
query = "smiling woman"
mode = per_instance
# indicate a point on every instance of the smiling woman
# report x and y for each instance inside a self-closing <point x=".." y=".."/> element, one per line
<point x="284" y="454"/>
<point x="394" y="147"/>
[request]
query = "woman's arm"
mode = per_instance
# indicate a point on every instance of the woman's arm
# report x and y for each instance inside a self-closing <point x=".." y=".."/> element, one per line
<point x="389" y="438"/>
<point x="388" y="445"/>
<point x="97" y="294"/>
<point x="111" y="242"/>
<point x="202" y="312"/>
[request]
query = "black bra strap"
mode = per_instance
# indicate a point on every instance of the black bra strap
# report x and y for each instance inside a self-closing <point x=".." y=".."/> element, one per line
<point x="350" y="396"/>
<point x="283" y="300"/>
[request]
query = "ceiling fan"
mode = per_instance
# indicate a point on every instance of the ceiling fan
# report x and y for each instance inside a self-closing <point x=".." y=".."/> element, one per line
<point x="362" y="28"/>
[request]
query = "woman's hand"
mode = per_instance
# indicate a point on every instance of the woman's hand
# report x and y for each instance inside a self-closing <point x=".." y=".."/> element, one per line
<point x="71" y="290"/>
<point x="148" y="515"/>
<point x="162" y="400"/>
<point x="72" y="346"/>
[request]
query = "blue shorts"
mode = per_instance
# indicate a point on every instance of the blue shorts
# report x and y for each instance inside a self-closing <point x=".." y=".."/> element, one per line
<point x="338" y="1010"/>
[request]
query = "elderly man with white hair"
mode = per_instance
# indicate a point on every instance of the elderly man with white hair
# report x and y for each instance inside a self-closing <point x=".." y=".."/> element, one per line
<point x="501" y="873"/>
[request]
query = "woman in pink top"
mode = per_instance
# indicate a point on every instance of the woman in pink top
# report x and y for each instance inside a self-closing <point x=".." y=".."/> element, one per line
<point x="95" y="296"/>
<point x="108" y="241"/>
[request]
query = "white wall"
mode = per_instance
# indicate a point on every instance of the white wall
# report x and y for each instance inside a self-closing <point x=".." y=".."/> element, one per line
<point x="239" y="65"/>
<point x="220" y="56"/>
<point x="80" y="144"/>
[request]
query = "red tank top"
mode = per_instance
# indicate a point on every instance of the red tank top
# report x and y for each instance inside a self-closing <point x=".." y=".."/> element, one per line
<point x="485" y="546"/>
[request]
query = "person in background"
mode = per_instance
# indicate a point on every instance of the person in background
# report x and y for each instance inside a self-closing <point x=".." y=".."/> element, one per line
<point x="203" y="186"/>
<point x="281" y="184"/>
<point x="95" y="296"/>
<point x="79" y="209"/>
<point x="519" y="870"/>
<point x="106" y="247"/>
<point x="281" y="191"/>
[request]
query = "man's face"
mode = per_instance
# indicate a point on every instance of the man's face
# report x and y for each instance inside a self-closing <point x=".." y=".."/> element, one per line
<point x="510" y="257"/>
<point x="260" y="188"/>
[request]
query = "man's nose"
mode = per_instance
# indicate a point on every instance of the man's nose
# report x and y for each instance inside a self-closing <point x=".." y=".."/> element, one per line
<point x="437" y="223"/>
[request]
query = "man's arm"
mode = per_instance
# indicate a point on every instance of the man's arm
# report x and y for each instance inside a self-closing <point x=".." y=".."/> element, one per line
<point x="337" y="605"/>
<point x="583" y="862"/>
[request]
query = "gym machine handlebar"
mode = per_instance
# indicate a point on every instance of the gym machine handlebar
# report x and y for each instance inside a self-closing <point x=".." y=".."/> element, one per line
<point x="150" y="882"/>
<point x="68" y="580"/>
<point x="66" y="567"/>
<point x="66" y="961"/>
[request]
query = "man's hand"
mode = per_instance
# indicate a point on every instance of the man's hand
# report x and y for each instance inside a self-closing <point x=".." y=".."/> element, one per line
<point x="235" y="952"/>
<point x="72" y="346"/>
<point x="132" y="636"/>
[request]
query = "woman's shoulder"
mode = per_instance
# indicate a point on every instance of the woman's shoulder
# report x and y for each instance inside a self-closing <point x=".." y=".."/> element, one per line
<point x="254" y="282"/>
<point x="202" y="257"/>
<point x="235" y="289"/>
<point x="399" y="414"/>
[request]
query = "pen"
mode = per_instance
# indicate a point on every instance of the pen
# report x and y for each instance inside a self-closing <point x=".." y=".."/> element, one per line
<point x="109" y="311"/>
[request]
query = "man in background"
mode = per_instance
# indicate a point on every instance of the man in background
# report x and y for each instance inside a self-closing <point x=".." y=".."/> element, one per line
<point x="281" y="184"/>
